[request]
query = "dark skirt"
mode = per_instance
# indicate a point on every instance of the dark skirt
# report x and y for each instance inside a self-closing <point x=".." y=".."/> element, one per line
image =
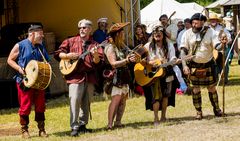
<point x="149" y="96"/>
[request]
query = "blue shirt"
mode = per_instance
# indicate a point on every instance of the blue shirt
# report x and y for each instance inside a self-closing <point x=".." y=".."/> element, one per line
<point x="28" y="52"/>
<point x="100" y="35"/>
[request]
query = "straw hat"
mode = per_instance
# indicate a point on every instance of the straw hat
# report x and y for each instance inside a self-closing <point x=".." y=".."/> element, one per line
<point x="214" y="16"/>
<point x="117" y="26"/>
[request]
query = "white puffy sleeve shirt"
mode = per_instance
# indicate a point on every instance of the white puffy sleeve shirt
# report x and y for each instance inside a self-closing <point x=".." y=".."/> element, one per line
<point x="204" y="53"/>
<point x="159" y="53"/>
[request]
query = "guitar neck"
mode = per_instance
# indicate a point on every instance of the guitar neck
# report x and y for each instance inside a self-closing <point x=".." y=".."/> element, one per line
<point x="88" y="51"/>
<point x="174" y="63"/>
<point x="83" y="55"/>
<point x="166" y="64"/>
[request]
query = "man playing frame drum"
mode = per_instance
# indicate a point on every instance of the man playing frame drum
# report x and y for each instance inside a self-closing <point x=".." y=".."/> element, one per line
<point x="22" y="53"/>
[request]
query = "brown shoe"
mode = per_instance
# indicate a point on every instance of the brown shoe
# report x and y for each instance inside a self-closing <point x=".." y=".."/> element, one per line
<point x="43" y="134"/>
<point x="199" y="115"/>
<point x="25" y="135"/>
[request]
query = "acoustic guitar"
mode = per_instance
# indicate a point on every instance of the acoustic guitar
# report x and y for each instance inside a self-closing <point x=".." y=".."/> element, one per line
<point x="67" y="66"/>
<point x="145" y="74"/>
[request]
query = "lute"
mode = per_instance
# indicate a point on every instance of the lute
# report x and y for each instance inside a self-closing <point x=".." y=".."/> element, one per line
<point x="67" y="66"/>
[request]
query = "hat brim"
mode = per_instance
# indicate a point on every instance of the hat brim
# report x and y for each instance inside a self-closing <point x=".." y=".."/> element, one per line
<point x="215" y="19"/>
<point x="122" y="26"/>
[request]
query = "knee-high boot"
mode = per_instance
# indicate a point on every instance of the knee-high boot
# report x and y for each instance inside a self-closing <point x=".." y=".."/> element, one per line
<point x="24" y="121"/>
<point x="197" y="102"/>
<point x="213" y="96"/>
<point x="40" y="117"/>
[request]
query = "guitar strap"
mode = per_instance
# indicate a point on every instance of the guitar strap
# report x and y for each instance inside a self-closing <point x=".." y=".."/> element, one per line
<point x="85" y="46"/>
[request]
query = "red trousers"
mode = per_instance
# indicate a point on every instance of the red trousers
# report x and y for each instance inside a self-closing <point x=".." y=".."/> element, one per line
<point x="29" y="97"/>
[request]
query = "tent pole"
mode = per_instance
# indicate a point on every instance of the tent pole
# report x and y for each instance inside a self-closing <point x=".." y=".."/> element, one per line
<point x="126" y="19"/>
<point x="132" y="22"/>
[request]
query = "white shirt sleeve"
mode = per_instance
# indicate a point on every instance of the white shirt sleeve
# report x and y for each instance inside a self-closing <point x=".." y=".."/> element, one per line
<point x="215" y="39"/>
<point x="172" y="29"/>
<point x="184" y="42"/>
<point x="179" y="38"/>
<point x="171" y="52"/>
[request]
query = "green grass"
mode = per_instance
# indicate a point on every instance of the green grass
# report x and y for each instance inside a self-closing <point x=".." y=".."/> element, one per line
<point x="139" y="122"/>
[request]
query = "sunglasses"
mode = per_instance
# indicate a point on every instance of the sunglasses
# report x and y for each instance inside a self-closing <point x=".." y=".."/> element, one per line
<point x="84" y="27"/>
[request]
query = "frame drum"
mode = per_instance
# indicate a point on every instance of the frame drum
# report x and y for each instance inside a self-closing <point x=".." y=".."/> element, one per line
<point x="38" y="75"/>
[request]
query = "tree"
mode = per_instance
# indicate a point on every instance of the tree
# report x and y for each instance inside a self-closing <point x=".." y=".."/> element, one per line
<point x="201" y="2"/>
<point x="144" y="3"/>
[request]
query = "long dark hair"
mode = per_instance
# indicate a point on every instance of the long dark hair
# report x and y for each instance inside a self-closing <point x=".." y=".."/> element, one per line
<point x="140" y="40"/>
<point x="164" y="41"/>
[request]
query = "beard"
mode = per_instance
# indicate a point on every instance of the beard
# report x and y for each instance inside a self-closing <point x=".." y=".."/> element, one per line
<point x="38" y="40"/>
<point x="82" y="34"/>
<point x="196" y="29"/>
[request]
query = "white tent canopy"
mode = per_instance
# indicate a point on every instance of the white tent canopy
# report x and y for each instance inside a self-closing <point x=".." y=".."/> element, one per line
<point x="217" y="4"/>
<point x="193" y="5"/>
<point x="151" y="13"/>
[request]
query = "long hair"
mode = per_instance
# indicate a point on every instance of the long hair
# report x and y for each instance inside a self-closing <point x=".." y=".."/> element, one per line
<point x="164" y="41"/>
<point x="117" y="39"/>
<point x="137" y="38"/>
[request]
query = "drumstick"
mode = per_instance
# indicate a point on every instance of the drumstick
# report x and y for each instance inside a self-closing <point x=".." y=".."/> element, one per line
<point x="54" y="74"/>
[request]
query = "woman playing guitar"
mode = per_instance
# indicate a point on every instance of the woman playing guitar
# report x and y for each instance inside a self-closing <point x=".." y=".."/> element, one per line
<point x="161" y="90"/>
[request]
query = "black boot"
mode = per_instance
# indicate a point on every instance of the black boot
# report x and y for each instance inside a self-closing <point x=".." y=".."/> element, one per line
<point x="24" y="121"/>
<point x="83" y="129"/>
<point x="74" y="132"/>
<point x="197" y="102"/>
<point x="214" y="101"/>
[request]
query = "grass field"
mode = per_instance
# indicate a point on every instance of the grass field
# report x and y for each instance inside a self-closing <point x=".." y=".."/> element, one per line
<point x="139" y="122"/>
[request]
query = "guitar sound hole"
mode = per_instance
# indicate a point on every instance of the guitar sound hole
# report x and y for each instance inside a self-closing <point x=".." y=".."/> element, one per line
<point x="150" y="74"/>
<point x="154" y="69"/>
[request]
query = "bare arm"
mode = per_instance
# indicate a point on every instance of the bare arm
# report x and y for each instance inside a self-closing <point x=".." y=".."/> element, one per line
<point x="12" y="59"/>
<point x="111" y="56"/>
<point x="71" y="55"/>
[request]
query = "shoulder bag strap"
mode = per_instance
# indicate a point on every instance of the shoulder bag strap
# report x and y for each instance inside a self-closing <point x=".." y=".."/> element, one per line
<point x="202" y="34"/>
